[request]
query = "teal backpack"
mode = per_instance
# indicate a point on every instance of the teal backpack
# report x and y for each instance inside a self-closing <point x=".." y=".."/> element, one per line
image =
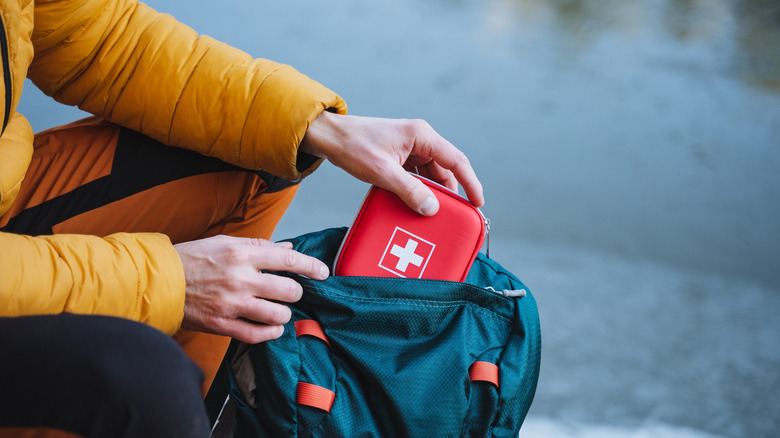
<point x="387" y="357"/>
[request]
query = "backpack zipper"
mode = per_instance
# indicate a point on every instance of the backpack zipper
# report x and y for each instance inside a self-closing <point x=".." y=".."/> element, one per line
<point x="6" y="74"/>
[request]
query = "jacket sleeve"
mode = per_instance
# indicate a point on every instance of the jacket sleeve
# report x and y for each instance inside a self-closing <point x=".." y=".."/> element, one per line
<point x="136" y="67"/>
<point x="112" y="276"/>
<point x="16" y="149"/>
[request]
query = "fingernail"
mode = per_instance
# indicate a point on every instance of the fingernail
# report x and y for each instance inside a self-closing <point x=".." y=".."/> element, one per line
<point x="324" y="272"/>
<point x="430" y="206"/>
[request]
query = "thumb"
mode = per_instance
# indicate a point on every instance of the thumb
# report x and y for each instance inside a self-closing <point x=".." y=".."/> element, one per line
<point x="416" y="195"/>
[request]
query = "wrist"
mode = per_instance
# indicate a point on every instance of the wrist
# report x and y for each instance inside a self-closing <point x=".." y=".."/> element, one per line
<point x="319" y="133"/>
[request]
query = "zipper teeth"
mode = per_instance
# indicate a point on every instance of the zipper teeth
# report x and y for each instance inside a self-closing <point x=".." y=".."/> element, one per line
<point x="6" y="74"/>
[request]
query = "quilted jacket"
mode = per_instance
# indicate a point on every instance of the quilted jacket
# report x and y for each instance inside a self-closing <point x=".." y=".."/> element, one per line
<point x="124" y="62"/>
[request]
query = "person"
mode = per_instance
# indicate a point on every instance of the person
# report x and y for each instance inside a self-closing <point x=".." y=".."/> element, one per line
<point x="148" y="224"/>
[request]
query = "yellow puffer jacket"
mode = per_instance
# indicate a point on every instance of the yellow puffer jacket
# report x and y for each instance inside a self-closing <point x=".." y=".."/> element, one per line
<point x="129" y="64"/>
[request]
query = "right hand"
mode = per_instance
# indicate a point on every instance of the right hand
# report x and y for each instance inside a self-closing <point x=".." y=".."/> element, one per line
<point x="380" y="151"/>
<point x="227" y="292"/>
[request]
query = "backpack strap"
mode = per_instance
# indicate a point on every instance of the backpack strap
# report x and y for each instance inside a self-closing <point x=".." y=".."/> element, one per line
<point x="484" y="371"/>
<point x="315" y="396"/>
<point x="307" y="393"/>
<point x="310" y="327"/>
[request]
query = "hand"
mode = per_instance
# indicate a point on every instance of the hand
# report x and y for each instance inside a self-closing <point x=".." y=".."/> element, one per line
<point x="378" y="151"/>
<point x="228" y="294"/>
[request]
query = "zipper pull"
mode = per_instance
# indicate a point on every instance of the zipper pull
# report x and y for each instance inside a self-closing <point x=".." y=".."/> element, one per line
<point x="487" y="236"/>
<point x="519" y="293"/>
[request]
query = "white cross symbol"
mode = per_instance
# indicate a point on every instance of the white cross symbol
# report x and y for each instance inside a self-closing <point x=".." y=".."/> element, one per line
<point x="406" y="255"/>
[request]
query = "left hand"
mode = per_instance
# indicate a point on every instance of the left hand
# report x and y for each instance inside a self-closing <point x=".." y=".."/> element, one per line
<point x="380" y="151"/>
<point x="228" y="293"/>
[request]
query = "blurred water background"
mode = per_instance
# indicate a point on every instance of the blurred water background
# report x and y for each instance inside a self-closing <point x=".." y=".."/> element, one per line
<point x="630" y="155"/>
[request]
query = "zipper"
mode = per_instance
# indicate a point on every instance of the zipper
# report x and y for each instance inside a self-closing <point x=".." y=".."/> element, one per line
<point x="485" y="220"/>
<point x="6" y="74"/>
<point x="487" y="234"/>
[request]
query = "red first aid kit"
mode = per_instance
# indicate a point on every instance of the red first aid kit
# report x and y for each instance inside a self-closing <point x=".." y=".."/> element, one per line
<point x="388" y="239"/>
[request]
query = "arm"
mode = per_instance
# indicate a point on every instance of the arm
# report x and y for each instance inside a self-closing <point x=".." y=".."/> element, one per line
<point x="141" y="277"/>
<point x="141" y="69"/>
<point x="134" y="276"/>
<point x="125" y="62"/>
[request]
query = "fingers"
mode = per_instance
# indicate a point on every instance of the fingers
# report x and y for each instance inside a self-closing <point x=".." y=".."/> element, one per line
<point x="227" y="292"/>
<point x="252" y="333"/>
<point x="258" y="319"/>
<point x="287" y="245"/>
<point x="279" y="258"/>
<point x="375" y="149"/>
<point x="251" y="314"/>
<point x="416" y="195"/>
<point x="265" y="312"/>
<point x="447" y="158"/>
<point x="419" y="197"/>
<point x="268" y="256"/>
<point x="437" y="159"/>
<point x="273" y="287"/>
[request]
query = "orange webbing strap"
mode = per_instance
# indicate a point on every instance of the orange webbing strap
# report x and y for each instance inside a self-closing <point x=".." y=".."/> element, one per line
<point x="310" y="327"/>
<point x="484" y="371"/>
<point x="315" y="396"/>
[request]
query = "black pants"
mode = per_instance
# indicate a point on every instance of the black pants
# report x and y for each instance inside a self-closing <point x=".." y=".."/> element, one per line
<point x="97" y="376"/>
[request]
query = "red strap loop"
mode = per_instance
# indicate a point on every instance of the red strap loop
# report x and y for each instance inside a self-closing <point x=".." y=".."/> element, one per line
<point x="315" y="396"/>
<point x="312" y="328"/>
<point x="484" y="371"/>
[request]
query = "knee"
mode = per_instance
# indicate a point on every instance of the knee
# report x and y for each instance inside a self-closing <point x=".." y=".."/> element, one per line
<point x="129" y="356"/>
<point x="145" y="380"/>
